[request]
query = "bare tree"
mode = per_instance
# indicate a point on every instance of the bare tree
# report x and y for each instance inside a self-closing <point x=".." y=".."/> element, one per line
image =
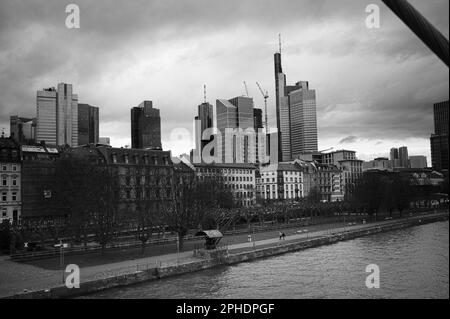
<point x="88" y="192"/>
<point x="194" y="204"/>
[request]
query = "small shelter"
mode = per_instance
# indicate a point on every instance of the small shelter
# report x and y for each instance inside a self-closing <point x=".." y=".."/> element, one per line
<point x="212" y="238"/>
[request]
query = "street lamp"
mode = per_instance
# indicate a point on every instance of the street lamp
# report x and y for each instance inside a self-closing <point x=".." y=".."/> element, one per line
<point x="61" y="256"/>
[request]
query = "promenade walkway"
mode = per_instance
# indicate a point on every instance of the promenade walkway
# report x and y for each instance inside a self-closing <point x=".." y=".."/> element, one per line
<point x="17" y="277"/>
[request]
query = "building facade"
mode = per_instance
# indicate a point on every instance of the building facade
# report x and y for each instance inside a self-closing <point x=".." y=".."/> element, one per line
<point x="381" y="163"/>
<point x="351" y="167"/>
<point x="240" y="179"/>
<point x="439" y="140"/>
<point x="417" y="162"/>
<point x="145" y="127"/>
<point x="10" y="181"/>
<point x="104" y="140"/>
<point x="38" y="164"/>
<point x="88" y="124"/>
<point x="234" y="122"/>
<point x="281" y="181"/>
<point x="57" y="116"/>
<point x="22" y="129"/>
<point x="328" y="179"/>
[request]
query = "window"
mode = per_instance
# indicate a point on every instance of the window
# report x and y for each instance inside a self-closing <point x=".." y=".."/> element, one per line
<point x="14" y="196"/>
<point x="3" y="167"/>
<point x="4" y="197"/>
<point x="4" y="213"/>
<point x="4" y="181"/>
<point x="14" y="168"/>
<point x="14" y="181"/>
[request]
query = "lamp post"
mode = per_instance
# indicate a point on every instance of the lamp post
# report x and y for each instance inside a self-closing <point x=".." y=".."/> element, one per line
<point x="61" y="257"/>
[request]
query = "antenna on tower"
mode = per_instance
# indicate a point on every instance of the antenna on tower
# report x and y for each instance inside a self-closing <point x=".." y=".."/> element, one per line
<point x="279" y="42"/>
<point x="204" y="93"/>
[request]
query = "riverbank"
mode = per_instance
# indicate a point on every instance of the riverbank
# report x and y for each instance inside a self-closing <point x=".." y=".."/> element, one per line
<point x="237" y="253"/>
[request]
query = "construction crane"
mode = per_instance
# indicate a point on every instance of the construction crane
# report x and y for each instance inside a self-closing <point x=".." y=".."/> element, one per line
<point x="265" y="96"/>
<point x="246" y="89"/>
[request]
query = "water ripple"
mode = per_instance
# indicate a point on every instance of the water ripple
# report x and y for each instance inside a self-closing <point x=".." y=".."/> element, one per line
<point x="413" y="264"/>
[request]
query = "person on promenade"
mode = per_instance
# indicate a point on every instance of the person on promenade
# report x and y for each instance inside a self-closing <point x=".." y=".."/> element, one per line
<point x="281" y="235"/>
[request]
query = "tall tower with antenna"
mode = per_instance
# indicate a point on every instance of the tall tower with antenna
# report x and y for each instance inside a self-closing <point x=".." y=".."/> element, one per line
<point x="279" y="43"/>
<point x="296" y="114"/>
<point x="204" y="120"/>
<point x="204" y="93"/>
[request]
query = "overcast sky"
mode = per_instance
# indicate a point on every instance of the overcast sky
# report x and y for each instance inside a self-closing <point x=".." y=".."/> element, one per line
<point x="375" y="87"/>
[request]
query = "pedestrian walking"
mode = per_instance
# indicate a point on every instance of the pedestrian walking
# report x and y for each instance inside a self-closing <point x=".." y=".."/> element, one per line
<point x="281" y="235"/>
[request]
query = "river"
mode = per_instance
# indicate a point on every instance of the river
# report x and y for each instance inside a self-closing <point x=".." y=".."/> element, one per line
<point x="413" y="263"/>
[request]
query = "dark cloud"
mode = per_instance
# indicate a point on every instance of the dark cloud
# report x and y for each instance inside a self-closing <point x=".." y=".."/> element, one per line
<point x="349" y="140"/>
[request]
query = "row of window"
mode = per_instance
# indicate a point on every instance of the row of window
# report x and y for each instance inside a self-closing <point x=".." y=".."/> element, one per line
<point x="228" y="178"/>
<point x="149" y="181"/>
<point x="225" y="170"/>
<point x="5" y="181"/>
<point x="149" y="194"/>
<point x="287" y="195"/>
<point x="14" y="167"/>
<point x="287" y="180"/>
<point x="287" y="187"/>
<point x="136" y="159"/>
<point x="4" y="196"/>
<point x="244" y="195"/>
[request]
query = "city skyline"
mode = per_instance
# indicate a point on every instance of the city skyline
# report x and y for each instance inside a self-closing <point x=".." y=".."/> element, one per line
<point x="346" y="106"/>
<point x="217" y="153"/>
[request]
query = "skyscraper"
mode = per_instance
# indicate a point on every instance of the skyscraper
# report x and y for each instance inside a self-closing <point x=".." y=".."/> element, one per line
<point x="399" y="157"/>
<point x="257" y="119"/>
<point x="439" y="140"/>
<point x="87" y="124"/>
<point x="57" y="116"/>
<point x="296" y="115"/>
<point x="145" y="126"/>
<point x="236" y="114"/>
<point x="205" y="116"/>
<point x="403" y="157"/>
<point x="22" y="129"/>
<point x="441" y="118"/>
<point x="203" y="121"/>
<point x="394" y="154"/>
<point x="303" y="119"/>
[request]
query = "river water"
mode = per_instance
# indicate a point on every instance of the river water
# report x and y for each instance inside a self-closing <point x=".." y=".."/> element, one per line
<point x="413" y="263"/>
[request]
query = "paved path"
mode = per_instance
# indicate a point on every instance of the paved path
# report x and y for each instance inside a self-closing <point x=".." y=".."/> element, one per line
<point x="16" y="277"/>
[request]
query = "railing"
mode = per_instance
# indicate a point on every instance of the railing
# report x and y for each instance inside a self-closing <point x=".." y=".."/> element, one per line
<point x="93" y="249"/>
<point x="159" y="241"/>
